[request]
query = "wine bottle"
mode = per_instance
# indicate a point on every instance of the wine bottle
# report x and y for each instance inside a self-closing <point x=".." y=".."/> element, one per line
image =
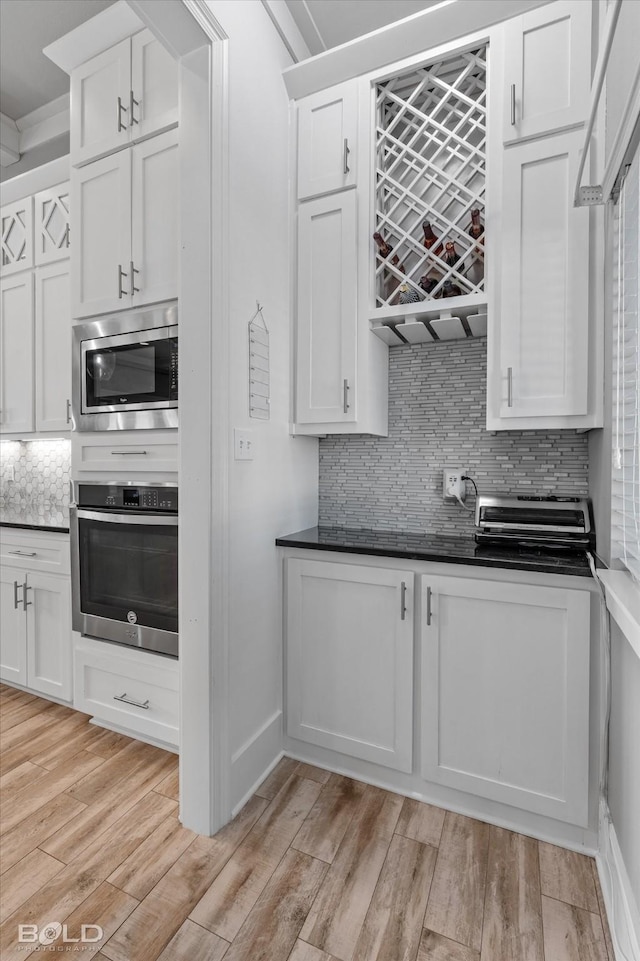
<point x="429" y="236"/>
<point x="451" y="256"/>
<point x="449" y="289"/>
<point x="476" y="230"/>
<point x="408" y="295"/>
<point x="384" y="248"/>
<point x="427" y="282"/>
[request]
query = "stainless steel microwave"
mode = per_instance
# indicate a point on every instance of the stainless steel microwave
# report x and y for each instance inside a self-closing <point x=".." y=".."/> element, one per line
<point x="125" y="370"/>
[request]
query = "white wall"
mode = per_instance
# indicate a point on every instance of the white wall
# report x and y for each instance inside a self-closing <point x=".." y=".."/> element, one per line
<point x="277" y="492"/>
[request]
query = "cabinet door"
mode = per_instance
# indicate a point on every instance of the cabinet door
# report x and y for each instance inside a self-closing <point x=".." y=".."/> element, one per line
<point x="544" y="315"/>
<point x="17" y="236"/>
<point x="51" y="224"/>
<point x="350" y="660"/>
<point x="548" y="69"/>
<point x="49" y="653"/>
<point x="16" y="354"/>
<point x="155" y="222"/>
<point x="154" y="82"/>
<point x="101" y="230"/>
<point x="100" y="94"/>
<point x="327" y="310"/>
<point x="505" y="693"/>
<point x="53" y="347"/>
<point x="13" y="646"/>
<point x="327" y="140"/>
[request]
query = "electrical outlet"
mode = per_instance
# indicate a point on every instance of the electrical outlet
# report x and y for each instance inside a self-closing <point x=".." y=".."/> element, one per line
<point x="242" y="444"/>
<point x="453" y="487"/>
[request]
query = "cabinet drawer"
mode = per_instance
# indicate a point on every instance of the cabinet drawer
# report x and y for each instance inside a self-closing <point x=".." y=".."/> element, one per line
<point x="35" y="551"/>
<point x="131" y="689"/>
<point x="132" y="452"/>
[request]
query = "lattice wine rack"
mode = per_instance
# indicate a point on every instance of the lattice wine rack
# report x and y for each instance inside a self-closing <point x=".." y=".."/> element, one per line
<point x="428" y="249"/>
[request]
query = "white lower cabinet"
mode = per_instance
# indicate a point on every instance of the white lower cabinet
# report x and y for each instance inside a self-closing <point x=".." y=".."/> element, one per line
<point x="505" y="693"/>
<point x="35" y="613"/>
<point x="350" y="659"/>
<point x="133" y="691"/>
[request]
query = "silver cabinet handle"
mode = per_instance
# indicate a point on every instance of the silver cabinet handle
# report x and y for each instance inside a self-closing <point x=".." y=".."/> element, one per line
<point x="121" y="107"/>
<point x="513" y="104"/>
<point x="15" y="595"/>
<point x="132" y="274"/>
<point x="127" y="453"/>
<point x="428" y="607"/>
<point x="132" y="103"/>
<point x="25" y="602"/>
<point x="24" y="553"/>
<point x="68" y="411"/>
<point x="129" y="700"/>
<point x="345" y="396"/>
<point x="403" y="601"/>
<point x="121" y="293"/>
<point x="345" y="157"/>
<point x="509" y="386"/>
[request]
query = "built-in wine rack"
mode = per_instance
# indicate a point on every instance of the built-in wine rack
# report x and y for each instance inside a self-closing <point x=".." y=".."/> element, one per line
<point x="428" y="251"/>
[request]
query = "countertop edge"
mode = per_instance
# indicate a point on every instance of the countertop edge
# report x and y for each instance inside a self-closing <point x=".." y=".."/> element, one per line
<point x="44" y="528"/>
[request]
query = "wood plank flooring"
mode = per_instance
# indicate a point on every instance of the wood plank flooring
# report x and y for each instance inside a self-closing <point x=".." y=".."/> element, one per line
<point x="316" y="867"/>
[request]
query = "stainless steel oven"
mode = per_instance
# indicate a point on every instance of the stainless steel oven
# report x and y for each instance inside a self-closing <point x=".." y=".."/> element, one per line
<point x="124" y="564"/>
<point x="125" y="370"/>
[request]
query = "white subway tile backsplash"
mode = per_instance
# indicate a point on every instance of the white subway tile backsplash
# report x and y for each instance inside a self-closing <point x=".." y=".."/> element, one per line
<point x="436" y="419"/>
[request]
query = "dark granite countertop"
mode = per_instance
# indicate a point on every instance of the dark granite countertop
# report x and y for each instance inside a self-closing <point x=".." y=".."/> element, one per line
<point x="52" y="518"/>
<point x="437" y="548"/>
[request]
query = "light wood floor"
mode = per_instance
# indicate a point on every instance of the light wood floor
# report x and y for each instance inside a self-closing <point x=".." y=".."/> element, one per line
<point x="316" y="867"/>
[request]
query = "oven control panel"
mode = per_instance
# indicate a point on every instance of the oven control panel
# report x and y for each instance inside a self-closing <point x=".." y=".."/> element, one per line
<point x="122" y="497"/>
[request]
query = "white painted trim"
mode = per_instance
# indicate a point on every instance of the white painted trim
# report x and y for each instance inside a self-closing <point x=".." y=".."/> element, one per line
<point x="9" y="141"/>
<point x="135" y="735"/>
<point x="623" y="603"/>
<point x="414" y="35"/>
<point x="256" y="754"/>
<point x="623" y="137"/>
<point x="92" y="37"/>
<point x="30" y="182"/>
<point x="287" y="29"/>
<point x="46" y="112"/>
<point x="622" y="911"/>
<point x="35" y="132"/>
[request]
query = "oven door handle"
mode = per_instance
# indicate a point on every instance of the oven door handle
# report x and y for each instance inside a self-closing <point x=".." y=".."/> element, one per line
<point x="147" y="520"/>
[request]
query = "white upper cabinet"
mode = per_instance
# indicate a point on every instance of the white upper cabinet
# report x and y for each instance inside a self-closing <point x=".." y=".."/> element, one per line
<point x="125" y="219"/>
<point x="542" y="345"/>
<point x="101" y="226"/>
<point x="123" y="95"/>
<point x="327" y="140"/>
<point x="16" y="354"/>
<point x="51" y="224"/>
<point x="100" y="103"/>
<point x="548" y="60"/>
<point x="17" y="236"/>
<point x="53" y="347"/>
<point x="327" y="310"/>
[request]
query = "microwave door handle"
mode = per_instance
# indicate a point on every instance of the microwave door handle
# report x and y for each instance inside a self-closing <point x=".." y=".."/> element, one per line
<point x="151" y="519"/>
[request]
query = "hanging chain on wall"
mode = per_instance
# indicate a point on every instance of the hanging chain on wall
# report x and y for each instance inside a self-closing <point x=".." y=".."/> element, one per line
<point x="259" y="388"/>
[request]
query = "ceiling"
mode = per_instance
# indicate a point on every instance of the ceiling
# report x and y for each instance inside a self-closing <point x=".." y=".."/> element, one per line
<point x="328" y="23"/>
<point x="28" y="79"/>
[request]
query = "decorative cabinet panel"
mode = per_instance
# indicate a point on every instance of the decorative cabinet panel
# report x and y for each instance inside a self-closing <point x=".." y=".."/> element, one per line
<point x="547" y="70"/>
<point x="327" y="141"/>
<point x="123" y="95"/>
<point x="350" y="660"/>
<point x="125" y="219"/>
<point x="123" y="452"/>
<point x="53" y="347"/>
<point x="541" y="344"/>
<point x="17" y="236"/>
<point x="35" y="614"/>
<point x="505" y="693"/>
<point x="327" y="310"/>
<point x="51" y="224"/>
<point x="16" y="354"/>
<point x="129" y="690"/>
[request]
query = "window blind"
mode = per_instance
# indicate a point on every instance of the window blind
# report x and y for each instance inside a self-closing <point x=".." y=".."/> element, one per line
<point x="625" y="488"/>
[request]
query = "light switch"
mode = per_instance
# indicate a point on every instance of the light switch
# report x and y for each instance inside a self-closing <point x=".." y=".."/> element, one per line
<point x="242" y="444"/>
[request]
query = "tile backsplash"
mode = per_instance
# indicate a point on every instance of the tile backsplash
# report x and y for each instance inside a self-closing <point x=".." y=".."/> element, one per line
<point x="437" y="419"/>
<point x="35" y="473"/>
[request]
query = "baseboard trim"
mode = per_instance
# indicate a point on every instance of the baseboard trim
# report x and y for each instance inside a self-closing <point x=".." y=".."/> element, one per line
<point x="252" y="762"/>
<point x="135" y="735"/>
<point x="622" y="911"/>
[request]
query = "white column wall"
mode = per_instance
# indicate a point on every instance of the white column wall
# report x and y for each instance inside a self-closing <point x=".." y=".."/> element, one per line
<point x="277" y="492"/>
